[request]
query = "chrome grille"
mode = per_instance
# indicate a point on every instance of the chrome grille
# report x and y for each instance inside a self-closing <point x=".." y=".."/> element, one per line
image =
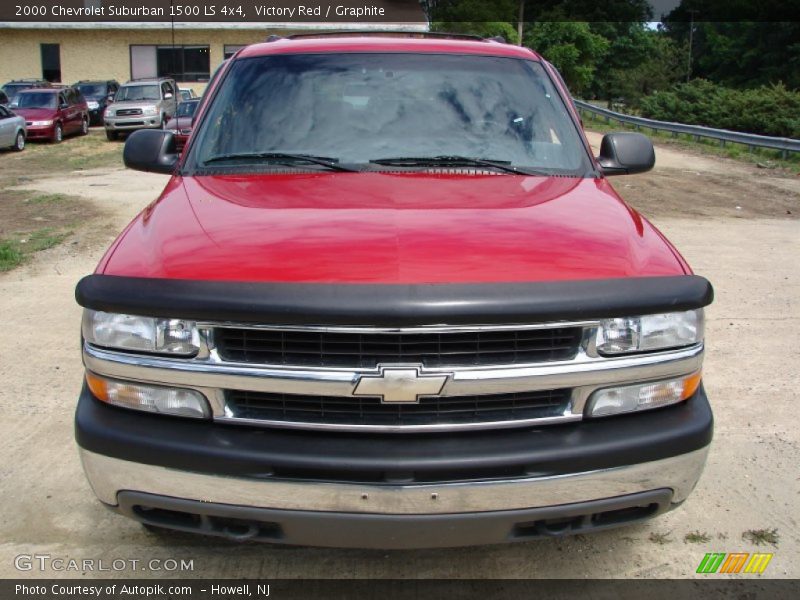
<point x="367" y="349"/>
<point x="438" y="410"/>
<point x="128" y="112"/>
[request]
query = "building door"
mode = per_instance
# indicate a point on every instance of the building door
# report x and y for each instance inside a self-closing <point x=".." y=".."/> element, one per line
<point x="51" y="62"/>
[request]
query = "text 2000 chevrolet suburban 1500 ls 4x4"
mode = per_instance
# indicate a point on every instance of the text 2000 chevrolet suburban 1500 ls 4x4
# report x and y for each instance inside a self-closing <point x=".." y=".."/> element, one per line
<point x="389" y="299"/>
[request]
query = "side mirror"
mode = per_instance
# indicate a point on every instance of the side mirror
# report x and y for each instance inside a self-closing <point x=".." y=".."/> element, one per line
<point x="626" y="153"/>
<point x="151" y="150"/>
<point x="111" y="97"/>
<point x="63" y="106"/>
<point x="167" y="96"/>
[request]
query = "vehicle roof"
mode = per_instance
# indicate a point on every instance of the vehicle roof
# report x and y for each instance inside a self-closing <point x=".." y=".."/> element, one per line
<point x="147" y="80"/>
<point x="375" y="43"/>
<point x="49" y="90"/>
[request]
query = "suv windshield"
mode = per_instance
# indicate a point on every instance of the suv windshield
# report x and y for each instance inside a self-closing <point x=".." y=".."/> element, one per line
<point x="91" y="90"/>
<point x="186" y="109"/>
<point x="36" y="100"/>
<point x="137" y="92"/>
<point x="401" y="109"/>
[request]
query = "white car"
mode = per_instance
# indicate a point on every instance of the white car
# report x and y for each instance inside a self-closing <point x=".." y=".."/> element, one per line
<point x="12" y="130"/>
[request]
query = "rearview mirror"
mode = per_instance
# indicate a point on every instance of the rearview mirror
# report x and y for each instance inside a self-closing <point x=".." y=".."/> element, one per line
<point x="151" y="150"/>
<point x="626" y="153"/>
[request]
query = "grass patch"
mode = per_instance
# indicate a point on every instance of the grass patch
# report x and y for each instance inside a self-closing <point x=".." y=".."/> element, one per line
<point x="45" y="238"/>
<point x="761" y="537"/>
<point x="73" y="154"/>
<point x="660" y="538"/>
<point x="696" y="537"/>
<point x="46" y="199"/>
<point x="15" y="252"/>
<point x="10" y="256"/>
<point x="764" y="157"/>
<point x="31" y="221"/>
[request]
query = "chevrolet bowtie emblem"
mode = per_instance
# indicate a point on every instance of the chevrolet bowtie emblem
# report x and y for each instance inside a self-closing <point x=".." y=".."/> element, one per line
<point x="400" y="385"/>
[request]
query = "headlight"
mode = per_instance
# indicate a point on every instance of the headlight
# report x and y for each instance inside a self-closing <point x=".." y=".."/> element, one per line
<point x="41" y="123"/>
<point x="149" y="398"/>
<point x="641" y="396"/>
<point x="93" y="105"/>
<point x="141" y="334"/>
<point x="149" y="110"/>
<point x="649" y="332"/>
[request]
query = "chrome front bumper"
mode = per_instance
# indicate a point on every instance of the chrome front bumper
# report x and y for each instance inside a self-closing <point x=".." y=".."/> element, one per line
<point x="392" y="516"/>
<point x="109" y="476"/>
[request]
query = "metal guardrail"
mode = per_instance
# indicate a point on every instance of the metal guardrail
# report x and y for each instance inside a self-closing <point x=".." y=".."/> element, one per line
<point x="785" y="145"/>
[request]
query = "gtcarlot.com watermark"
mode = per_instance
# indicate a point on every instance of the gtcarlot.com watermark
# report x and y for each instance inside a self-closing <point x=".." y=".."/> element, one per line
<point x="46" y="562"/>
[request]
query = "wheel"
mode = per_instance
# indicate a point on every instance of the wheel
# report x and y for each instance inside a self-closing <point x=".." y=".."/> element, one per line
<point x="111" y="136"/>
<point x="58" y="134"/>
<point x="19" y="142"/>
<point x="85" y="126"/>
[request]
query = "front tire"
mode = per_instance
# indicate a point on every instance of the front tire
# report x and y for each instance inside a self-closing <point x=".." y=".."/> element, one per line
<point x="19" y="142"/>
<point x="58" y="134"/>
<point x="85" y="126"/>
<point x="111" y="136"/>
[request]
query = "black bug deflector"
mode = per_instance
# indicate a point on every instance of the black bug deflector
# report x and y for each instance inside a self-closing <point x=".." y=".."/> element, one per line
<point x="393" y="304"/>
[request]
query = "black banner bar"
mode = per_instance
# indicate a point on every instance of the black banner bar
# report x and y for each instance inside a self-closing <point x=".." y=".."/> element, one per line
<point x="392" y="11"/>
<point x="745" y="586"/>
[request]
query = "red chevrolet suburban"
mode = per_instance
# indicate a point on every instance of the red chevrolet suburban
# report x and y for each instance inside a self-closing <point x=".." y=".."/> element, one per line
<point x="390" y="299"/>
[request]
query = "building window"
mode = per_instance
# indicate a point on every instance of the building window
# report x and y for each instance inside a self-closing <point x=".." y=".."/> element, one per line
<point x="230" y="50"/>
<point x="51" y="62"/>
<point x="182" y="63"/>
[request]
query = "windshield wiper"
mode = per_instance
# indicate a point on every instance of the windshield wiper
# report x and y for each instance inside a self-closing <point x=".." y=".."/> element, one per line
<point x="282" y="158"/>
<point x="453" y="161"/>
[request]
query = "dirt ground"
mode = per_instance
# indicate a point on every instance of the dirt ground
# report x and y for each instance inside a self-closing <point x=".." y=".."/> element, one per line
<point x="736" y="224"/>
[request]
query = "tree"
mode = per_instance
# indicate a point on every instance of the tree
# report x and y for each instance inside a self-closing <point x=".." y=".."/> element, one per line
<point x="572" y="48"/>
<point x="475" y="17"/>
<point x="741" y="54"/>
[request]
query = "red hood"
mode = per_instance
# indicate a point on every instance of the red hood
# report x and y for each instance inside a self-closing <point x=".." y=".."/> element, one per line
<point x="390" y="228"/>
<point x="36" y="114"/>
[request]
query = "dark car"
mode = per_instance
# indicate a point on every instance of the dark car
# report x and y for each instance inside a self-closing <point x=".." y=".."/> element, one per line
<point x="12" y="88"/>
<point x="181" y="123"/>
<point x="52" y="113"/>
<point x="99" y="94"/>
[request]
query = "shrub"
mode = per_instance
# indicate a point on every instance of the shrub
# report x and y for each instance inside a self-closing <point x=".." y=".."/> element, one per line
<point x="767" y="110"/>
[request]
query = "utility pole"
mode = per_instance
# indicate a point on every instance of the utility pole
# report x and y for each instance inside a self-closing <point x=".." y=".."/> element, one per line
<point x="691" y="40"/>
<point x="520" y="20"/>
<point x="172" y="27"/>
